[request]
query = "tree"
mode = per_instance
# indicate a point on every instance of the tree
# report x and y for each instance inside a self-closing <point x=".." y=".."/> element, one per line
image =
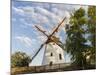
<point x="76" y="40"/>
<point x="92" y="31"/>
<point x="20" y="59"/>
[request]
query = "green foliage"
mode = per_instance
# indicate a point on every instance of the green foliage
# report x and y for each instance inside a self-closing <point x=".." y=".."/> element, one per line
<point x="76" y="42"/>
<point x="92" y="30"/>
<point x="20" y="59"/>
<point x="79" y="13"/>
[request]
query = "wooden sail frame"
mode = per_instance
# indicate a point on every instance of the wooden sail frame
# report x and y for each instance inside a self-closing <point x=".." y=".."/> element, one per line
<point x="50" y="38"/>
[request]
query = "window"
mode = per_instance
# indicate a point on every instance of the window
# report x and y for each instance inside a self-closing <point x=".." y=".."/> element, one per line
<point x="51" y="63"/>
<point x="60" y="57"/>
<point x="51" y="54"/>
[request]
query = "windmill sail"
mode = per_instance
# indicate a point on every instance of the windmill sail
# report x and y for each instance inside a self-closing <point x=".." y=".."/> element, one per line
<point x="37" y="52"/>
<point x="51" y="39"/>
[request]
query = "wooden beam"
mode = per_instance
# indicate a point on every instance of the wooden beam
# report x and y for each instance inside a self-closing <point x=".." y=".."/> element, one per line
<point x="58" y="27"/>
<point x="42" y="31"/>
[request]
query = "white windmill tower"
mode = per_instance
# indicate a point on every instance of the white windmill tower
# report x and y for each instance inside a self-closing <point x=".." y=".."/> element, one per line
<point x="53" y="53"/>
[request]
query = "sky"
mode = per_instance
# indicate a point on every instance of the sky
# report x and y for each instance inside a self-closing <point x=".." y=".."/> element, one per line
<point x="26" y="15"/>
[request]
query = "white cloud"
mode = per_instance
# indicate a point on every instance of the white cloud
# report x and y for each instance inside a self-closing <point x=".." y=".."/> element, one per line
<point x="42" y="38"/>
<point x="47" y="13"/>
<point x="25" y="40"/>
<point x="24" y="22"/>
<point x="28" y="9"/>
<point x="39" y="13"/>
<point x="41" y="16"/>
<point x="51" y="18"/>
<point x="17" y="10"/>
<point x="30" y="12"/>
<point x="30" y="15"/>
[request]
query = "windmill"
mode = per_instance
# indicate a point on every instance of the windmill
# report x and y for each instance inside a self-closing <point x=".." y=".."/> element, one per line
<point x="51" y="40"/>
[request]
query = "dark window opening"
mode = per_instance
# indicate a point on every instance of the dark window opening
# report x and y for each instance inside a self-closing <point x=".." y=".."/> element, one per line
<point x="51" y="63"/>
<point x="51" y="54"/>
<point x="60" y="57"/>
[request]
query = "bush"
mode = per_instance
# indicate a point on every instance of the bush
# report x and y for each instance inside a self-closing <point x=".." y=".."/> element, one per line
<point x="20" y="59"/>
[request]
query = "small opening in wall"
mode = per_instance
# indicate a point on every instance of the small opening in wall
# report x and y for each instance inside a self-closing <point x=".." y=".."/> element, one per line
<point x="60" y="57"/>
<point x="51" y="63"/>
<point x="51" y="54"/>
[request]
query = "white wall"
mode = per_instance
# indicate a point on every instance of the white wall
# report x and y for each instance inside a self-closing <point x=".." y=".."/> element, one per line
<point x="55" y="50"/>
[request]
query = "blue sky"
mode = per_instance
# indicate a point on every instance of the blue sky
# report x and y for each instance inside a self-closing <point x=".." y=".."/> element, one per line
<point x="25" y="15"/>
